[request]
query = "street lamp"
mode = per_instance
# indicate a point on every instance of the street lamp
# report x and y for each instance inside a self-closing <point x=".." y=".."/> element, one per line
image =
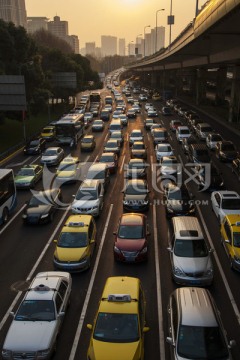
<point x="196" y="13"/>
<point x="156" y="29"/>
<point x="144" y="36"/>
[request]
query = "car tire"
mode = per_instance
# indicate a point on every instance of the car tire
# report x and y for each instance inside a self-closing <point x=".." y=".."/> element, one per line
<point x="5" y="215"/>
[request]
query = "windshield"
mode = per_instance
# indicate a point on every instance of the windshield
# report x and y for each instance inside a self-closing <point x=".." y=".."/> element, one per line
<point x="203" y="343"/>
<point x="86" y="195"/>
<point x="135" y="189"/>
<point x="231" y="204"/>
<point x="67" y="167"/>
<point x="236" y="239"/>
<point x="169" y="162"/>
<point x="50" y="152"/>
<point x="206" y="129"/>
<point x="228" y="147"/>
<point x="178" y="195"/>
<point x="36" y="310"/>
<point x="87" y="140"/>
<point x="26" y="172"/>
<point x="34" y="143"/>
<point x="216" y="138"/>
<point x="73" y="240"/>
<point x="47" y="131"/>
<point x="136" y="165"/>
<point x="106" y="158"/>
<point x="96" y="175"/>
<point x="138" y="146"/>
<point x="130" y="232"/>
<point x="164" y="148"/>
<point x="116" y="328"/>
<point x="190" y="248"/>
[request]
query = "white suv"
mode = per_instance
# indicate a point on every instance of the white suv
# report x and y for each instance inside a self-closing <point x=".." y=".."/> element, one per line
<point x="36" y="324"/>
<point x="89" y="198"/>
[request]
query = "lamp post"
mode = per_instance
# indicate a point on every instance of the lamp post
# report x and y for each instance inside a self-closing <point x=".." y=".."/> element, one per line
<point x="170" y="31"/>
<point x="196" y="13"/>
<point x="144" y="37"/>
<point x="156" y="28"/>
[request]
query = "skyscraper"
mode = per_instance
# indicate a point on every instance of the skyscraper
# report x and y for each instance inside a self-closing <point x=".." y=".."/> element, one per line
<point x="14" y="11"/>
<point x="121" y="47"/>
<point x="58" y="27"/>
<point x="36" y="23"/>
<point x="108" y="45"/>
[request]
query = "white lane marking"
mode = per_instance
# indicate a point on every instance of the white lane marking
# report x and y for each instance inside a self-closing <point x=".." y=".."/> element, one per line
<point x="229" y="292"/>
<point x="18" y="164"/>
<point x="159" y="292"/>
<point x="34" y="161"/>
<point x="4" y="319"/>
<point x="89" y="290"/>
<point x="122" y="164"/>
<point x="12" y="218"/>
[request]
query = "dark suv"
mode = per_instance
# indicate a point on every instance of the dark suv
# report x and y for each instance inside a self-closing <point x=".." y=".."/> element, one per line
<point x="198" y="153"/>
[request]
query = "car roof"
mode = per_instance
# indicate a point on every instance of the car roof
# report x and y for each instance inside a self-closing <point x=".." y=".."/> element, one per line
<point x="196" y="307"/>
<point x="120" y="285"/>
<point x="77" y="223"/>
<point x="97" y="167"/>
<point x="132" y="219"/>
<point x="226" y="194"/>
<point x="89" y="184"/>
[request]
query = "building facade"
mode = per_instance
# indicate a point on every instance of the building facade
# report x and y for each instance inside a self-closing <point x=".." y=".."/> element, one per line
<point x="36" y="23"/>
<point x="108" y="45"/>
<point x="122" y="47"/>
<point x="14" y="11"/>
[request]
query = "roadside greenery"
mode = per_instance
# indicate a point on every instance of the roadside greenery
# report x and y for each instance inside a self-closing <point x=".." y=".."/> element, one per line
<point x="37" y="58"/>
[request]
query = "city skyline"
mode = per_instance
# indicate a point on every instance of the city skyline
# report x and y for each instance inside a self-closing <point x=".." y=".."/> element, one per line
<point x="122" y="19"/>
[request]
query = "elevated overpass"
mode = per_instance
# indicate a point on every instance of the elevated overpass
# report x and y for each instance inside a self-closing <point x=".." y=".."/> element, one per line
<point x="210" y="41"/>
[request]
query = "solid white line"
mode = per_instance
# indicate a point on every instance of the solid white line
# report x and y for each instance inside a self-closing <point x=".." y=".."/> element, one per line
<point x="89" y="290"/>
<point x="34" y="161"/>
<point x="4" y="319"/>
<point x="230" y="295"/>
<point x="18" y="164"/>
<point x="158" y="281"/>
<point x="12" y="218"/>
<point x="121" y="168"/>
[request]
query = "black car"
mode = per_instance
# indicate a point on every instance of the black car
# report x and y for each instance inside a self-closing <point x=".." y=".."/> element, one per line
<point x="178" y="201"/>
<point x="187" y="141"/>
<point x="226" y="151"/>
<point x="209" y="178"/>
<point x="136" y="169"/>
<point x="136" y="195"/>
<point x="35" y="146"/>
<point x="236" y="167"/>
<point x="105" y="115"/>
<point x="42" y="206"/>
<point x="131" y="113"/>
<point x="198" y="153"/>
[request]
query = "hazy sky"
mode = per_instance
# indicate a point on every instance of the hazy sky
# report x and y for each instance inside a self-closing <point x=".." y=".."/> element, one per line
<point x="89" y="19"/>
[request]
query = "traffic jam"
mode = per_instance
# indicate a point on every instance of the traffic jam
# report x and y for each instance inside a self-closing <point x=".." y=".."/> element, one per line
<point x="120" y="233"/>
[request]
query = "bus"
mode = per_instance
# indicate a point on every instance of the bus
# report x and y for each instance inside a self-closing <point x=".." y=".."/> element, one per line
<point x="95" y="97"/>
<point x="8" y="194"/>
<point x="69" y="129"/>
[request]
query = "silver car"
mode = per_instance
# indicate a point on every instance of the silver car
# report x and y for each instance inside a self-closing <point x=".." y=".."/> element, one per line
<point x="52" y="156"/>
<point x="36" y="324"/>
<point x="89" y="198"/>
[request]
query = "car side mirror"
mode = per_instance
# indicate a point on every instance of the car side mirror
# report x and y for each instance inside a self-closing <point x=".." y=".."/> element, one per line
<point x="146" y="329"/>
<point x="114" y="233"/>
<point x="232" y="343"/>
<point x="170" y="341"/>
<point x="227" y="241"/>
<point x="169" y="249"/>
<point x="61" y="314"/>
<point x="92" y="241"/>
<point x="11" y="313"/>
<point x="89" y="326"/>
<point x="211" y="250"/>
<point x="55" y="241"/>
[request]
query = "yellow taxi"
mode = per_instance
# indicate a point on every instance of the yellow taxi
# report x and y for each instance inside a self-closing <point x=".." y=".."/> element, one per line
<point x="88" y="143"/>
<point x="48" y="133"/>
<point x="75" y="244"/>
<point x="68" y="170"/>
<point x="230" y="234"/>
<point x="119" y="327"/>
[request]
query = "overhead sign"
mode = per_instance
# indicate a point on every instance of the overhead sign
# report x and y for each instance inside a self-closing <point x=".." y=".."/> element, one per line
<point x="64" y="80"/>
<point x="12" y="93"/>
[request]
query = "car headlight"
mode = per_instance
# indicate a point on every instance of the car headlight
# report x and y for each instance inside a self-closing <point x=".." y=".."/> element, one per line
<point x="125" y="202"/>
<point x="116" y="249"/>
<point x="43" y="353"/>
<point x="209" y="272"/>
<point x="236" y="259"/>
<point x="44" y="216"/>
<point x="24" y="216"/>
<point x="6" y="353"/>
<point x="223" y="155"/>
<point x="145" y="202"/>
<point x="177" y="271"/>
<point x="169" y="209"/>
<point x="144" y="250"/>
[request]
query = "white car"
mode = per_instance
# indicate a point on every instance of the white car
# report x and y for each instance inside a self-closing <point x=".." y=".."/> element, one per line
<point x="163" y="150"/>
<point x="155" y="126"/>
<point x="135" y="135"/>
<point x="225" y="202"/>
<point x="89" y="198"/>
<point x="152" y="112"/>
<point x="52" y="156"/>
<point x="182" y="132"/>
<point x="148" y="105"/>
<point x="124" y="119"/>
<point x="36" y="323"/>
<point x="212" y="140"/>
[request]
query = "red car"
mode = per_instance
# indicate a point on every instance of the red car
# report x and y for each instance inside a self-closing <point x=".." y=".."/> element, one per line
<point x="131" y="244"/>
<point x="111" y="159"/>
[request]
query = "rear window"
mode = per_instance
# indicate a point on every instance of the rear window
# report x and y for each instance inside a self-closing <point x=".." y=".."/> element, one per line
<point x="188" y="233"/>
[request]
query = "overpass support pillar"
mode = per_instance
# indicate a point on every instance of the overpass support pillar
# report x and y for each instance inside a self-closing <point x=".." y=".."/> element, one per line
<point x="221" y="85"/>
<point x="154" y="79"/>
<point x="179" y="82"/>
<point x="234" y="106"/>
<point x="201" y="86"/>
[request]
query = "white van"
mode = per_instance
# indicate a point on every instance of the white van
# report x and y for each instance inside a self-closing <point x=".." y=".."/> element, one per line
<point x="190" y="256"/>
<point x="195" y="327"/>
